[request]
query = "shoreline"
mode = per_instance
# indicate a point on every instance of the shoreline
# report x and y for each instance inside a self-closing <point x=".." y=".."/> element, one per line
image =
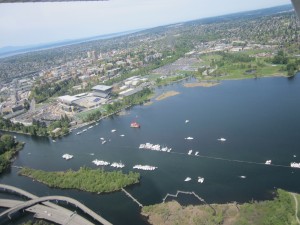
<point x="201" y="84"/>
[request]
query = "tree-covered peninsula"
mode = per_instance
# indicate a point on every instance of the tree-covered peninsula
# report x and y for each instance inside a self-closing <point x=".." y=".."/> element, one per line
<point x="85" y="179"/>
<point x="8" y="149"/>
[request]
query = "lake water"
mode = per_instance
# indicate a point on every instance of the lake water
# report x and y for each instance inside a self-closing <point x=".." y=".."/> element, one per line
<point x="260" y="118"/>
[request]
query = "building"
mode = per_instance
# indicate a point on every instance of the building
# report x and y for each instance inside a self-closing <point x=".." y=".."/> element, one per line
<point x="67" y="99"/>
<point x="102" y="91"/>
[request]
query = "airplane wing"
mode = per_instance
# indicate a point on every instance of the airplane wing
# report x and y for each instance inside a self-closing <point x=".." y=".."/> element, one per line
<point x="296" y="4"/>
<point x="23" y="1"/>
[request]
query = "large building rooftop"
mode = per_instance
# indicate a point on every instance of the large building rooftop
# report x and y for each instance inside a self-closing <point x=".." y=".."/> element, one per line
<point x="102" y="88"/>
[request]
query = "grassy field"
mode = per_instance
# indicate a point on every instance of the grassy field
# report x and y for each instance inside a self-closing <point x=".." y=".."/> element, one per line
<point x="231" y="68"/>
<point x="280" y="211"/>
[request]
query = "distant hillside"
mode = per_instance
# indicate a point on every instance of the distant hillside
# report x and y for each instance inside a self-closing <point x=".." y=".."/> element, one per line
<point x="15" y="50"/>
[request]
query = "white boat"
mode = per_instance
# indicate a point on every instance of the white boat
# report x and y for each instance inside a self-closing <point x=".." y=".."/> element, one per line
<point x="53" y="141"/>
<point x="268" y="162"/>
<point x="222" y="139"/>
<point x="78" y="133"/>
<point x="113" y="131"/>
<point x="84" y="130"/>
<point x="200" y="180"/>
<point x="102" y="139"/>
<point x="295" y="165"/>
<point x="188" y="179"/>
<point x="294" y="156"/>
<point x="187" y="121"/>
<point x="190" y="152"/>
<point x="92" y="154"/>
<point x="103" y="142"/>
<point x="189" y="138"/>
<point x="90" y="127"/>
<point x="197" y="153"/>
<point x="243" y="177"/>
<point x="122" y="135"/>
<point x="67" y="156"/>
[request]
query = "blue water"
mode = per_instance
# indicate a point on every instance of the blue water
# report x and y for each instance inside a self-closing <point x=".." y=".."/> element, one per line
<point x="258" y="117"/>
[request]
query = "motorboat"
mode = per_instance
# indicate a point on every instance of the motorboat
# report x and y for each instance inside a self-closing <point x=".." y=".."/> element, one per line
<point x="268" y="162"/>
<point x="222" y="139"/>
<point x="188" y="179"/>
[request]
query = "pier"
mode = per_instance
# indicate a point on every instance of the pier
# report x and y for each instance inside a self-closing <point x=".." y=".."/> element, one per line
<point x="189" y="193"/>
<point x="46" y="210"/>
<point x="134" y="199"/>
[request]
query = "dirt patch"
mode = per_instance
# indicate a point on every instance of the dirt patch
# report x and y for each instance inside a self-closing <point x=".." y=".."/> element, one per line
<point x="148" y="103"/>
<point x="201" y="84"/>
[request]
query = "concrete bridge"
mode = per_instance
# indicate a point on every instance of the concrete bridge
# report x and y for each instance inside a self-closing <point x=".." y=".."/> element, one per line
<point x="55" y="209"/>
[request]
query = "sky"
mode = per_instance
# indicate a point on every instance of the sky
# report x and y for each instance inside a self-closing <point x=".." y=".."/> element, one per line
<point x="23" y="24"/>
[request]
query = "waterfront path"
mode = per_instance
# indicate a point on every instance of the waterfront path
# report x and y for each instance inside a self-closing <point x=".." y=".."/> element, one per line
<point x="134" y="199"/>
<point x="296" y="207"/>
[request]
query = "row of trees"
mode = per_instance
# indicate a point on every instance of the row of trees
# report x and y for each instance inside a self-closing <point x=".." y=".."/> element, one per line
<point x="37" y="128"/>
<point x="8" y="148"/>
<point x="85" y="179"/>
<point x="291" y="65"/>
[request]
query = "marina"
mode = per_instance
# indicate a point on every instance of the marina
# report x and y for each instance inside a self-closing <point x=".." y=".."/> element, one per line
<point x="237" y="161"/>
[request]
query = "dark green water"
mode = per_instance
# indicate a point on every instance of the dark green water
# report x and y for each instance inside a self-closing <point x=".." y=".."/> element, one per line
<point x="259" y="118"/>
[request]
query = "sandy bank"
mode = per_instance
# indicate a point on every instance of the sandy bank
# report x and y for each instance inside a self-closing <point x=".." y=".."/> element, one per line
<point x="167" y="95"/>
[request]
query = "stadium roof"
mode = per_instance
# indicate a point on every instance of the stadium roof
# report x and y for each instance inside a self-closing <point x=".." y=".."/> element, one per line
<point x="101" y="88"/>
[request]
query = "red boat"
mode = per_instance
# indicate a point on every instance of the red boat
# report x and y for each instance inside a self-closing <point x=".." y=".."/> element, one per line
<point x="135" y="125"/>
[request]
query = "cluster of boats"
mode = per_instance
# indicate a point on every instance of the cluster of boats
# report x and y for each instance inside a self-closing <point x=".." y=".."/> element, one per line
<point x="200" y="179"/>
<point x="191" y="151"/>
<point x="103" y="141"/>
<point x="295" y="165"/>
<point x="67" y="156"/>
<point x="100" y="162"/>
<point x="105" y="163"/>
<point x="154" y="147"/>
<point x="117" y="165"/>
<point x="84" y="130"/>
<point x="144" y="167"/>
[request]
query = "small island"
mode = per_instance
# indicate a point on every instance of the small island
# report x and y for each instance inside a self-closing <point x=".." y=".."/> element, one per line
<point x="9" y="147"/>
<point x="167" y="95"/>
<point x="282" y="210"/>
<point x="85" y="179"/>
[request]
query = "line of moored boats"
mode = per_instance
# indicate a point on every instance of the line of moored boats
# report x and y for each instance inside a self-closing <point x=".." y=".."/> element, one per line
<point x="154" y="147"/>
<point x="121" y="165"/>
<point x="200" y="179"/>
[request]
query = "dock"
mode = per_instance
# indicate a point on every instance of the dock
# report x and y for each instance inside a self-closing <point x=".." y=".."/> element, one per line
<point x="189" y="193"/>
<point x="134" y="199"/>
